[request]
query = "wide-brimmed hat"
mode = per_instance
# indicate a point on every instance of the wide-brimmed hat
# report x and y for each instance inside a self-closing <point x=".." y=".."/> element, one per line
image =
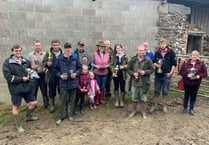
<point x="101" y="43"/>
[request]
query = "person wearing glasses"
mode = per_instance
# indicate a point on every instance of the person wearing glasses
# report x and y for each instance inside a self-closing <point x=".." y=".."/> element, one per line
<point x="100" y="63"/>
<point x="19" y="83"/>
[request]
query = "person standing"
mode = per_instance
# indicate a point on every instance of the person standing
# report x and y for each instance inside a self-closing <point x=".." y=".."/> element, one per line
<point x="165" y="63"/>
<point x="140" y="68"/>
<point x="119" y="63"/>
<point x="77" y="52"/>
<point x="15" y="72"/>
<point x="81" y="50"/>
<point x="148" y="52"/>
<point x="49" y="62"/>
<point x="100" y="63"/>
<point x="36" y="58"/>
<point x="67" y="69"/>
<point x="192" y="71"/>
<point x="109" y="75"/>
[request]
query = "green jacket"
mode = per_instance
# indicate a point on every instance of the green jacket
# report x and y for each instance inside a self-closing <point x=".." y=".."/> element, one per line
<point x="124" y="64"/>
<point x="148" y="68"/>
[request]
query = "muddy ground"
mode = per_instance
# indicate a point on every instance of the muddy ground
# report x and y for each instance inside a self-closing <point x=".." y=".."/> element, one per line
<point x="112" y="126"/>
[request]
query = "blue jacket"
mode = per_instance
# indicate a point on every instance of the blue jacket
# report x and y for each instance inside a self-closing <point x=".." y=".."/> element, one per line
<point x="64" y="65"/>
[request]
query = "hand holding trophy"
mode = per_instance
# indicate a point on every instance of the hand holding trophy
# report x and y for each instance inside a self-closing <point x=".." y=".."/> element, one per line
<point x="192" y="72"/>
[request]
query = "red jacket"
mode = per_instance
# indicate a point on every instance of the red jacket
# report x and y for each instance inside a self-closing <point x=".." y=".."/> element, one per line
<point x="201" y="71"/>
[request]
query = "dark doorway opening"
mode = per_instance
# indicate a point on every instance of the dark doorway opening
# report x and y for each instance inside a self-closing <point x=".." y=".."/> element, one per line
<point x="194" y="43"/>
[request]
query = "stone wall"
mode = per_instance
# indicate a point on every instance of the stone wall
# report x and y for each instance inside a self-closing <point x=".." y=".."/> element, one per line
<point x="172" y="25"/>
<point x="129" y="22"/>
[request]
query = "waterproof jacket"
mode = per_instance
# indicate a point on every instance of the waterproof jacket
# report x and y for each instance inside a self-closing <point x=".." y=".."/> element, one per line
<point x="169" y="60"/>
<point x="14" y="73"/>
<point x="84" y="77"/>
<point x="124" y="63"/>
<point x="75" y="53"/>
<point x="64" y="65"/>
<point x="147" y="67"/>
<point x="50" y="69"/>
<point x="201" y="71"/>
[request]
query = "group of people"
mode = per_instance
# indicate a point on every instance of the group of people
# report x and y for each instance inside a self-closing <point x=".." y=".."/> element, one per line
<point x="63" y="71"/>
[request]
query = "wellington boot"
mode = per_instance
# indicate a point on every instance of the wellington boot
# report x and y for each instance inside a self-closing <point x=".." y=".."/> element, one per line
<point x="18" y="125"/>
<point x="101" y="97"/>
<point x="116" y="99"/>
<point x="134" y="107"/>
<point x="143" y="109"/>
<point x="29" y="116"/>
<point x="165" y="110"/>
<point x="97" y="99"/>
<point x="52" y="109"/>
<point x="122" y="98"/>
<point x="154" y="105"/>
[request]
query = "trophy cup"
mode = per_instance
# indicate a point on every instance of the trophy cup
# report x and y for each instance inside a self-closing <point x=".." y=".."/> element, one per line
<point x="65" y="75"/>
<point x="39" y="69"/>
<point x="50" y="58"/>
<point x="159" y="70"/>
<point x="193" y="72"/>
<point x="116" y="70"/>
<point x="84" y="85"/>
<point x="31" y="74"/>
<point x="70" y="72"/>
<point x="138" y="71"/>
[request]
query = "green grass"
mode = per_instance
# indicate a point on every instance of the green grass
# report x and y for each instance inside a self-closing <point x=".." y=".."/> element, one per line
<point x="6" y="116"/>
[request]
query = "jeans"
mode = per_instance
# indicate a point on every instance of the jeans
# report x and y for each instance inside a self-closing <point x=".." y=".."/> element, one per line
<point x="119" y="81"/>
<point x="53" y="84"/>
<point x="190" y="92"/>
<point x="42" y="84"/>
<point x="162" y="82"/>
<point x="108" y="81"/>
<point x="101" y="80"/>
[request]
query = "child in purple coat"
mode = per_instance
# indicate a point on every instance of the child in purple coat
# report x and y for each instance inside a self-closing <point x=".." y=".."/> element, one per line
<point x="83" y="86"/>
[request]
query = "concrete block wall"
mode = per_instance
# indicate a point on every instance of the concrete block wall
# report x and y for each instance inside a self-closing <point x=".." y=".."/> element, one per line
<point x="129" y="22"/>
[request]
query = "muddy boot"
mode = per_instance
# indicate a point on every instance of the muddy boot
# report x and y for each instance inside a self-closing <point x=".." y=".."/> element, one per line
<point x="97" y="99"/>
<point x="18" y="125"/>
<point x="116" y="99"/>
<point x="29" y="116"/>
<point x="165" y="110"/>
<point x="154" y="105"/>
<point x="102" y="98"/>
<point x="122" y="99"/>
<point x="143" y="109"/>
<point x="134" y="107"/>
<point x="46" y="101"/>
<point x="51" y="109"/>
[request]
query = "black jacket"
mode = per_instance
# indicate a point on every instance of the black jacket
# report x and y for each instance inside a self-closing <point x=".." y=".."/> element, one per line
<point x="169" y="60"/>
<point x="14" y="72"/>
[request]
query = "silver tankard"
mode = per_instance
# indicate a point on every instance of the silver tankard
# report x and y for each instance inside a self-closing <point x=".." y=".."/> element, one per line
<point x="116" y="70"/>
<point x="159" y="70"/>
<point x="193" y="72"/>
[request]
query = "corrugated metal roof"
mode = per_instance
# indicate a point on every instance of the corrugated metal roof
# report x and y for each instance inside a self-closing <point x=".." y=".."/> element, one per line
<point x="191" y="3"/>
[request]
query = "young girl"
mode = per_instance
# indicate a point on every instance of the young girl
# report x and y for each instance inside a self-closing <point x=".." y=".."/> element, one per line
<point x="93" y="91"/>
<point x="83" y="86"/>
